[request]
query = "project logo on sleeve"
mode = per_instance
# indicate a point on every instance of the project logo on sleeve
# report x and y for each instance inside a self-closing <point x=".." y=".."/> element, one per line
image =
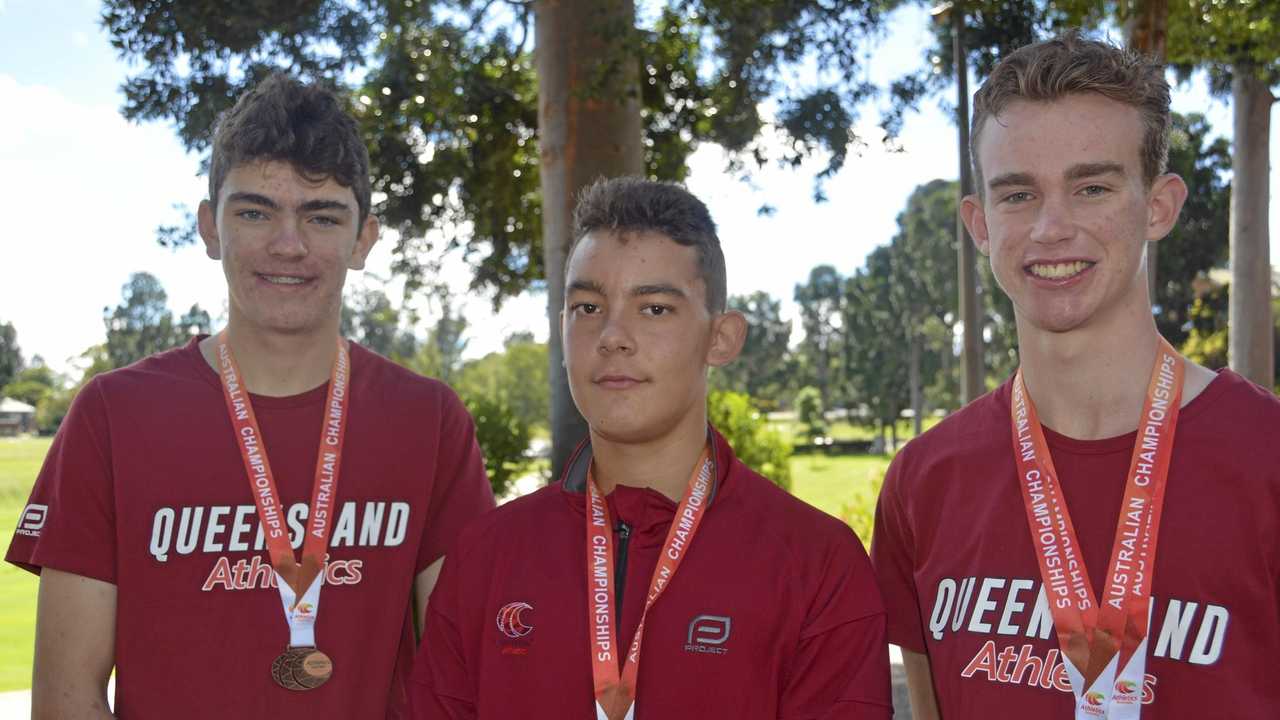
<point x="707" y="633"/>
<point x="33" y="517"/>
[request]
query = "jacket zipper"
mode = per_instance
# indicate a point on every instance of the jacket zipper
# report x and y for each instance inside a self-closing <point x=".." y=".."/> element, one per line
<point x="620" y="567"/>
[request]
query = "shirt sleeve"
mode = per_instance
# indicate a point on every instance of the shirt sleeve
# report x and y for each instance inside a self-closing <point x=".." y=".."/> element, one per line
<point x="69" y="522"/>
<point x="460" y="491"/>
<point x="439" y="687"/>
<point x="840" y="668"/>
<point x="893" y="556"/>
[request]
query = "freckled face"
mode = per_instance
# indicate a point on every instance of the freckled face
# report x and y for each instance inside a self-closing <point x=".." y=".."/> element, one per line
<point x="286" y="243"/>
<point x="1066" y="212"/>
<point x="636" y="333"/>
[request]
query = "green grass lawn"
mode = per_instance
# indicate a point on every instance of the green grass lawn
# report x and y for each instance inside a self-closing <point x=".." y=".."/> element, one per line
<point x="20" y="460"/>
<point x="844" y="430"/>
<point x="843" y="485"/>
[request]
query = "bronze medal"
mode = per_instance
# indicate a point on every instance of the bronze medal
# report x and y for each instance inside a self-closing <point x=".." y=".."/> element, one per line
<point x="281" y="673"/>
<point x="310" y="667"/>
<point x="301" y="668"/>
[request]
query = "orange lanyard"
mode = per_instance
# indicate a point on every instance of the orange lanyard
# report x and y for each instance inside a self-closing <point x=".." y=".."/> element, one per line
<point x="271" y="513"/>
<point x="1092" y="635"/>
<point x="615" y="692"/>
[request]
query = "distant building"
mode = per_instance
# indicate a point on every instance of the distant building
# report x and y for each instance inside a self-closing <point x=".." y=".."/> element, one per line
<point x="16" y="417"/>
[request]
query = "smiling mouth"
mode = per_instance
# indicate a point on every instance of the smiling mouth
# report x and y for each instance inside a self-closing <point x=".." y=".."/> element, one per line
<point x="283" y="279"/>
<point x="1058" y="271"/>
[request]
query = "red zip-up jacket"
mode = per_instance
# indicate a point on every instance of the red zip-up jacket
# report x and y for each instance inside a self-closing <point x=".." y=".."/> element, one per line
<point x="774" y="612"/>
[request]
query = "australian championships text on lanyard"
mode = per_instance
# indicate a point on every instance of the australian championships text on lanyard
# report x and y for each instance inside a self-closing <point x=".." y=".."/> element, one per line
<point x="615" y="692"/>
<point x="1104" y="646"/>
<point x="301" y="666"/>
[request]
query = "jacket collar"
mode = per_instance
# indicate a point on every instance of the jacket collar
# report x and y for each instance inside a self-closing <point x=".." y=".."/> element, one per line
<point x="574" y="478"/>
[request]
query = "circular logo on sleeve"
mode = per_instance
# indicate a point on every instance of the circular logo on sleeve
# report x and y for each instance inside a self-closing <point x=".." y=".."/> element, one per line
<point x="511" y="620"/>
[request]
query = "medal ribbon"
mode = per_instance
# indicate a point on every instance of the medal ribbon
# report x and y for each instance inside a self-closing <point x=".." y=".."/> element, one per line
<point x="1103" y="643"/>
<point x="615" y="692"/>
<point x="298" y="583"/>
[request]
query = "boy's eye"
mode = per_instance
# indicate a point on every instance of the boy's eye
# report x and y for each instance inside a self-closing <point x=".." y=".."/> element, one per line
<point x="585" y="308"/>
<point x="656" y="310"/>
<point x="251" y="214"/>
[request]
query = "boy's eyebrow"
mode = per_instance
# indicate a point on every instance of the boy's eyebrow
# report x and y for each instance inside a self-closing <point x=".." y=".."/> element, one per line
<point x="1084" y="170"/>
<point x="590" y="286"/>
<point x="657" y="289"/>
<point x="1014" y="178"/>
<point x="314" y="205"/>
<point x="253" y="198"/>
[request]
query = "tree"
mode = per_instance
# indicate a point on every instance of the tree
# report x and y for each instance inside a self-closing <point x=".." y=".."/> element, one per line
<point x="441" y="355"/>
<point x="369" y="318"/>
<point x="142" y="323"/>
<point x="760" y="370"/>
<point x="810" y="411"/>
<point x="977" y="34"/>
<point x="1239" y="44"/>
<point x="31" y="385"/>
<point x="517" y="376"/>
<point x="922" y="284"/>
<point x="10" y="354"/>
<point x="875" y="364"/>
<point x="449" y="104"/>
<point x="1198" y="242"/>
<point x="820" y="301"/>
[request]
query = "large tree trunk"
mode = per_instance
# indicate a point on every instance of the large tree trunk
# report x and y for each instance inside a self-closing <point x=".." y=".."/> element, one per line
<point x="971" y="382"/>
<point x="588" y="127"/>
<point x="1250" y="324"/>
<point x="1147" y="27"/>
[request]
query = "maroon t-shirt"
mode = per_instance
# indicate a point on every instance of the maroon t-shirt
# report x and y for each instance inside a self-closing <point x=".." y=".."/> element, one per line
<point x="144" y="487"/>
<point x="961" y="581"/>
<point x="774" y="612"/>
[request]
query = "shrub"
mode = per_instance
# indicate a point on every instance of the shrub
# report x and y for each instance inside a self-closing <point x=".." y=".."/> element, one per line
<point x="503" y="437"/>
<point x="758" y="446"/>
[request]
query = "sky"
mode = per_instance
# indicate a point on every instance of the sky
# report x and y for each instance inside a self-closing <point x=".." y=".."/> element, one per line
<point x="82" y="191"/>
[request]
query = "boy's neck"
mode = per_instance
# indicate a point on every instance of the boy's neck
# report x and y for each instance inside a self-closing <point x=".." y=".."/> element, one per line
<point x="1091" y="383"/>
<point x="277" y="364"/>
<point x="664" y="463"/>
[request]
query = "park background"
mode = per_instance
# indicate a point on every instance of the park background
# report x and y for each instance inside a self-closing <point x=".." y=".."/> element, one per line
<point x="822" y="136"/>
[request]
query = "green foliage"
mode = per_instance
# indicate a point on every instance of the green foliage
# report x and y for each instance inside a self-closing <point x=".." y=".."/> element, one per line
<point x="518" y="376"/>
<point x="441" y="355"/>
<point x="503" y="438"/>
<point x="447" y="98"/>
<point x="31" y="385"/>
<point x="143" y="325"/>
<point x="53" y="409"/>
<point x="761" y="370"/>
<point x="10" y="354"/>
<point x="1225" y="37"/>
<point x="369" y="318"/>
<point x="821" y="304"/>
<point x="860" y="512"/>
<point x="810" y="410"/>
<point x="1199" y="241"/>
<point x="757" y="445"/>
<point x="1208" y="340"/>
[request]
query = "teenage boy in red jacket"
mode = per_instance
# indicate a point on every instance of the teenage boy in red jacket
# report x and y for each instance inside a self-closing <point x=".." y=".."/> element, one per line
<point x="661" y="578"/>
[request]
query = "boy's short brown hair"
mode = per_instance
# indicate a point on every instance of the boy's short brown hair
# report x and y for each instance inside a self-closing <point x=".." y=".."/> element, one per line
<point x="1071" y="64"/>
<point x="304" y="125"/>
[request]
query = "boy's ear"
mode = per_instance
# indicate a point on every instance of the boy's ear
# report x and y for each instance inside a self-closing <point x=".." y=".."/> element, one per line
<point x="728" y="333"/>
<point x="207" y="225"/>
